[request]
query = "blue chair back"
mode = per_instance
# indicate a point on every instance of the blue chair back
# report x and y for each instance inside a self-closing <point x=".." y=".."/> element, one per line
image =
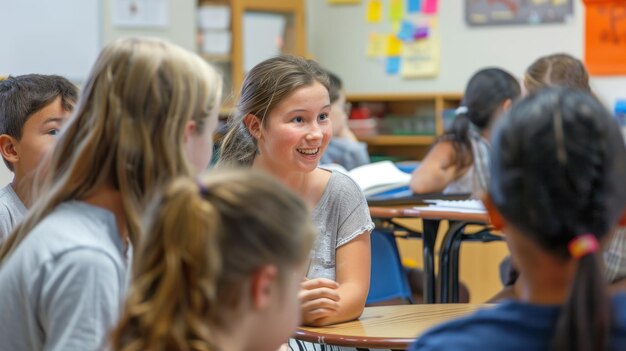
<point x="388" y="278"/>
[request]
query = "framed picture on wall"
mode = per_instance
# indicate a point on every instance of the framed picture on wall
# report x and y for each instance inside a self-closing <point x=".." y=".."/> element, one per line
<point x="516" y="12"/>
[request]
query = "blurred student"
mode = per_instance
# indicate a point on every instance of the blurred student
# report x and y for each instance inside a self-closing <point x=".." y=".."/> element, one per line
<point x="457" y="163"/>
<point x="565" y="71"/>
<point x="557" y="174"/>
<point x="33" y="108"/>
<point x="231" y="281"/>
<point x="144" y="108"/>
<point x="283" y="127"/>
<point x="343" y="148"/>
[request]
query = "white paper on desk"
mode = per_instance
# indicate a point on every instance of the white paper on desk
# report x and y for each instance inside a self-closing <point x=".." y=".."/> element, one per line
<point x="459" y="206"/>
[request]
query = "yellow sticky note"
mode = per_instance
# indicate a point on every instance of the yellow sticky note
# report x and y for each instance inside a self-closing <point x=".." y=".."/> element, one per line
<point x="374" y="11"/>
<point x="395" y="26"/>
<point x="394" y="45"/>
<point x="558" y="2"/>
<point x="396" y="10"/>
<point x="376" y="45"/>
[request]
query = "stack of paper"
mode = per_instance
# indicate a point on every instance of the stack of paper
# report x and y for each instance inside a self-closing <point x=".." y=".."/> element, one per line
<point x="463" y="206"/>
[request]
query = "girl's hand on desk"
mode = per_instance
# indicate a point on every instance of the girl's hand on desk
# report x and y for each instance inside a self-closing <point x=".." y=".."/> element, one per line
<point x="319" y="299"/>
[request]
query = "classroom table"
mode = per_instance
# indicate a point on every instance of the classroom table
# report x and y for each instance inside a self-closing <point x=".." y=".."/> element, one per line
<point x="386" y="327"/>
<point x="430" y="226"/>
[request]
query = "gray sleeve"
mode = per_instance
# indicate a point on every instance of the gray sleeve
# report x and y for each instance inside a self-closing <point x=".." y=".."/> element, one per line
<point x="6" y="223"/>
<point x="80" y="300"/>
<point x="355" y="219"/>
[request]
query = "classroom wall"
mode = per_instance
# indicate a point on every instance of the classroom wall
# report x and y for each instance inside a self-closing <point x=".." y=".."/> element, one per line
<point x="337" y="36"/>
<point x="181" y="30"/>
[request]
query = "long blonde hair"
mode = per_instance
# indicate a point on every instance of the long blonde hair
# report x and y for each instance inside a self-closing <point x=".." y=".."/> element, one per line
<point x="265" y="86"/>
<point x="127" y="129"/>
<point x="203" y="241"/>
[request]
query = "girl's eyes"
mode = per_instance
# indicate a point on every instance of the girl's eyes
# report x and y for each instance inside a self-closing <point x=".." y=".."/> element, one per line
<point x="300" y="119"/>
<point x="53" y="132"/>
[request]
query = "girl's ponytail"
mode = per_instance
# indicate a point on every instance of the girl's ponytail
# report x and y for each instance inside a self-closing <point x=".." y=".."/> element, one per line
<point x="584" y="322"/>
<point x="175" y="275"/>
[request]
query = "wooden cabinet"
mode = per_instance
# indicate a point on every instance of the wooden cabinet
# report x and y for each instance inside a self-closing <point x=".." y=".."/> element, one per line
<point x="401" y="126"/>
<point x="289" y="14"/>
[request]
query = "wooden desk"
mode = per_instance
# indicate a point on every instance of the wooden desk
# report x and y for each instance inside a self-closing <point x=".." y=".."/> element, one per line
<point x="431" y="220"/>
<point x="390" y="327"/>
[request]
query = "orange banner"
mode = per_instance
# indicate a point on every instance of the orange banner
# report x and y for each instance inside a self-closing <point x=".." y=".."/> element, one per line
<point x="605" y="37"/>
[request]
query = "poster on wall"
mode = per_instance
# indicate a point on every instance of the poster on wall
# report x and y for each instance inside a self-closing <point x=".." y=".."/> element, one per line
<point x="605" y="37"/>
<point x="412" y="48"/>
<point x="516" y="12"/>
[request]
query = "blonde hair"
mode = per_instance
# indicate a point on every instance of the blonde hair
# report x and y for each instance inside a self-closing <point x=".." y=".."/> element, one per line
<point x="127" y="129"/>
<point x="264" y="87"/>
<point x="183" y="286"/>
<point x="556" y="70"/>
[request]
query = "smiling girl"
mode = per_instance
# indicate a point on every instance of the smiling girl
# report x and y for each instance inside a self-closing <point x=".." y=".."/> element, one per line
<point x="282" y="127"/>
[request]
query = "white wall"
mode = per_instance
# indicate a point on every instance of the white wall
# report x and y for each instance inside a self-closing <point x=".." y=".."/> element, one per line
<point x="338" y="38"/>
<point x="181" y="30"/>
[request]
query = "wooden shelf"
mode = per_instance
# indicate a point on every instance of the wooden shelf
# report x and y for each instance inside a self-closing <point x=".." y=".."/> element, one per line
<point x="411" y="106"/>
<point x="398" y="140"/>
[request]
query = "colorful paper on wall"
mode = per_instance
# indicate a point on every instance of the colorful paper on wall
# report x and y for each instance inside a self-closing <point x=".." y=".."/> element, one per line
<point x="429" y="7"/>
<point x="394" y="46"/>
<point x="413" y="6"/>
<point x="393" y="65"/>
<point x="406" y="31"/>
<point x="420" y="59"/>
<point x="376" y="45"/>
<point x="395" y="26"/>
<point x="396" y="10"/>
<point x="374" y="11"/>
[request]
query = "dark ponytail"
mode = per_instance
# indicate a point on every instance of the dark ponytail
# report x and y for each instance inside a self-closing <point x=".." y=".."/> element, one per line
<point x="584" y="322"/>
<point x="557" y="169"/>
<point x="484" y="94"/>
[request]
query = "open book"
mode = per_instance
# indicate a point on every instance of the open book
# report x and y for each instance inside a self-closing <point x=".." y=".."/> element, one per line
<point x="378" y="177"/>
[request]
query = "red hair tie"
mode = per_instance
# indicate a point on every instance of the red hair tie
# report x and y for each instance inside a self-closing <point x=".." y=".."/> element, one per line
<point x="583" y="245"/>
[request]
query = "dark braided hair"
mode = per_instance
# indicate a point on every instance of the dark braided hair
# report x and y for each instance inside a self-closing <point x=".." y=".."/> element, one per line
<point x="484" y="94"/>
<point x="557" y="170"/>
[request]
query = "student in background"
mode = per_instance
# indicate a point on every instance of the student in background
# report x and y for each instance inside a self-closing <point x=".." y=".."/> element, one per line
<point x="282" y="127"/>
<point x="33" y="108"/>
<point x="457" y="163"/>
<point x="231" y="281"/>
<point x="145" y="105"/>
<point x="565" y="71"/>
<point x="343" y="148"/>
<point x="557" y="173"/>
<point x="556" y="70"/>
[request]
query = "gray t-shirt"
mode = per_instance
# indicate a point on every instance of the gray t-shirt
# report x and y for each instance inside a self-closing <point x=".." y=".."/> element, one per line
<point x="64" y="286"/>
<point x="340" y="215"/>
<point x="12" y="210"/>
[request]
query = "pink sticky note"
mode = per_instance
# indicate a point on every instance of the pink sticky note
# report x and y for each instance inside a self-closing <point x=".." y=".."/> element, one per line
<point x="429" y="7"/>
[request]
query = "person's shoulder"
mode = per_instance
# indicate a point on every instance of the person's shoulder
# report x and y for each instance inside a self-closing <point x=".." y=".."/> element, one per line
<point x="506" y="326"/>
<point x="340" y="180"/>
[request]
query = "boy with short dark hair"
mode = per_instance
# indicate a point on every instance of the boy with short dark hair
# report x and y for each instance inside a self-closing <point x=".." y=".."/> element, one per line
<point x="33" y="108"/>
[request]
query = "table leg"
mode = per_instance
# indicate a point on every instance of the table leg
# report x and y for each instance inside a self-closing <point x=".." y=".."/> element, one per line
<point x="429" y="236"/>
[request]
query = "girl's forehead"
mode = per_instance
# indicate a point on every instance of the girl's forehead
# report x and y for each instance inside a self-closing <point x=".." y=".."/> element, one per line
<point x="312" y="96"/>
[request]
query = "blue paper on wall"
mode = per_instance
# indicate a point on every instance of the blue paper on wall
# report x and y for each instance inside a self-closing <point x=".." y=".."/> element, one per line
<point x="406" y="32"/>
<point x="413" y="6"/>
<point x="393" y="65"/>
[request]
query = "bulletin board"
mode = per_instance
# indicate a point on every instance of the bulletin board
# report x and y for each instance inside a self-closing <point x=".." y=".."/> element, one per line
<point x="516" y="12"/>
